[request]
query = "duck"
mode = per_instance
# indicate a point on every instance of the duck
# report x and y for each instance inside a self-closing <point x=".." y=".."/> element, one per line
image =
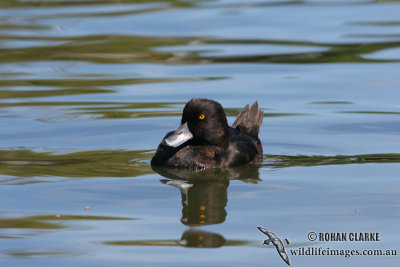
<point x="205" y="141"/>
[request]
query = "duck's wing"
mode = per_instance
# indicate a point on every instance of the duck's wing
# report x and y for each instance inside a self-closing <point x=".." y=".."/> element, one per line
<point x="249" y="120"/>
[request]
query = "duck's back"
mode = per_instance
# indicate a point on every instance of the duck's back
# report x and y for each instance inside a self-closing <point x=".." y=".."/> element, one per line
<point x="242" y="149"/>
<point x="249" y="122"/>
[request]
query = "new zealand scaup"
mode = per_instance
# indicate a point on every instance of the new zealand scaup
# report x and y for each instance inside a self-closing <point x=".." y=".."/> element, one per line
<point x="204" y="140"/>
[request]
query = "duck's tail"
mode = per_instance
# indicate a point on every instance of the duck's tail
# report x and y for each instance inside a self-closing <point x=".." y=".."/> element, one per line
<point x="249" y="120"/>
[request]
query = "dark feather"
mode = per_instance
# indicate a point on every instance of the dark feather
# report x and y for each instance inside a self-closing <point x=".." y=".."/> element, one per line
<point x="249" y="120"/>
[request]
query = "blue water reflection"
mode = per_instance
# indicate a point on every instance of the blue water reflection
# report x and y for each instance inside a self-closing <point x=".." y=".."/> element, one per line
<point x="88" y="88"/>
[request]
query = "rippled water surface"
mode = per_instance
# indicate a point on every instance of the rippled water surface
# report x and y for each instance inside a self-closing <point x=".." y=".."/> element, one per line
<point x="88" y="89"/>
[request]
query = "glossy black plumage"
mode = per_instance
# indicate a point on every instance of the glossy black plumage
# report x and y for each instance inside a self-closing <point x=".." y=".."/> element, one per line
<point x="204" y="140"/>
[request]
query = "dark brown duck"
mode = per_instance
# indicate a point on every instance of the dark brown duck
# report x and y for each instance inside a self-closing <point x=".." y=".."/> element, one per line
<point x="204" y="140"/>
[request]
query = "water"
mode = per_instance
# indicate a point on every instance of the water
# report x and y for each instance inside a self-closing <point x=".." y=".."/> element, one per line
<point x="89" y="88"/>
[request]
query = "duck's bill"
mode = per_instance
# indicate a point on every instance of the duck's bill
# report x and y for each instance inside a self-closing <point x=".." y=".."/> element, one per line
<point x="180" y="136"/>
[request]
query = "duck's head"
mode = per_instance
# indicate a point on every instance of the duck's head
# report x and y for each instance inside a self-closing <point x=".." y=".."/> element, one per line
<point x="203" y="123"/>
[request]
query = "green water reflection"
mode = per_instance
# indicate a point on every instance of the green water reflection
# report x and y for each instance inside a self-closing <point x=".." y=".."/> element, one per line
<point x="110" y="163"/>
<point x="25" y="163"/>
<point x="135" y="49"/>
<point x="31" y="226"/>
<point x="48" y="222"/>
<point x="113" y="110"/>
<point x="18" y="3"/>
<point x="190" y="238"/>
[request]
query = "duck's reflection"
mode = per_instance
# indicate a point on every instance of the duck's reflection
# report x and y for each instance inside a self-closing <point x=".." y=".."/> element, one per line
<point x="201" y="239"/>
<point x="204" y="198"/>
<point x="203" y="201"/>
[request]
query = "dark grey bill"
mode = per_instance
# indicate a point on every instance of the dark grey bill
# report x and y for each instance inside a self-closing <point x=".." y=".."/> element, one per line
<point x="180" y="136"/>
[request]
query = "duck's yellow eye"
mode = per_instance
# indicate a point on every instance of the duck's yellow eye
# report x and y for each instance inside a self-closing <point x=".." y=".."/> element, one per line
<point x="201" y="117"/>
